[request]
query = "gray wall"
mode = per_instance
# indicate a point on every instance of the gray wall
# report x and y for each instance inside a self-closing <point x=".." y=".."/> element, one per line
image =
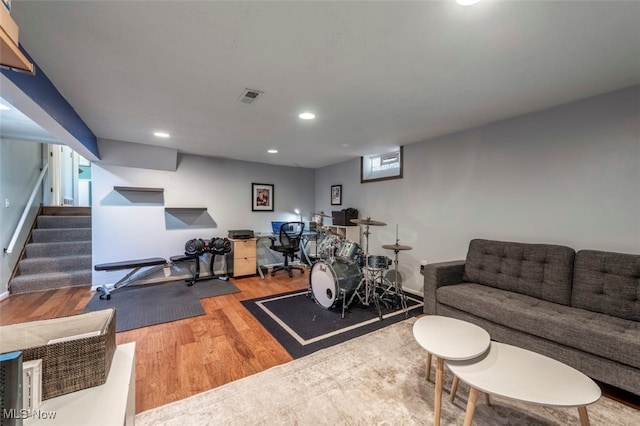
<point x="135" y="225"/>
<point x="566" y="175"/>
<point x="20" y="163"/>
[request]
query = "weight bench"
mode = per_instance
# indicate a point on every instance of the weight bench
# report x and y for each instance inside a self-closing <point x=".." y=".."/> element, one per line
<point x="155" y="262"/>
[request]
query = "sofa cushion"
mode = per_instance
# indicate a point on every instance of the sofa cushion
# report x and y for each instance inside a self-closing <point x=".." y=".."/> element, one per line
<point x="599" y="334"/>
<point x="543" y="271"/>
<point x="608" y="283"/>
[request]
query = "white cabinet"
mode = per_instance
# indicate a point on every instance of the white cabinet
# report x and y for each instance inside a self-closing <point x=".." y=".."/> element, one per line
<point x="351" y="233"/>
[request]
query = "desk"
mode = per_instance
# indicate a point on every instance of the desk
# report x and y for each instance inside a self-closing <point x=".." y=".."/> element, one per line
<point x="274" y="258"/>
<point x="112" y="403"/>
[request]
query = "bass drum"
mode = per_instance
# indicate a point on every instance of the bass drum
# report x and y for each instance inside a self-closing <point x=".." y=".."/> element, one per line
<point x="329" y="281"/>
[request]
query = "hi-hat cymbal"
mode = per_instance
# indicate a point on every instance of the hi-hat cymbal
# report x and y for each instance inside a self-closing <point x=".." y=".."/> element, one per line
<point x="368" y="221"/>
<point x="320" y="214"/>
<point x="395" y="247"/>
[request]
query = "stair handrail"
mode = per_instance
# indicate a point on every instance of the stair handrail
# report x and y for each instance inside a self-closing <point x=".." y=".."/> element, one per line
<point x="25" y="213"/>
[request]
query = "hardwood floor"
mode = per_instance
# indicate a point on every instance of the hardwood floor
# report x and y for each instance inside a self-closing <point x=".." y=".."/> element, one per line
<point x="181" y="358"/>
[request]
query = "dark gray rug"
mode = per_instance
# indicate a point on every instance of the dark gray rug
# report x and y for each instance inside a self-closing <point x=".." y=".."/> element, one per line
<point x="149" y="304"/>
<point x="302" y="326"/>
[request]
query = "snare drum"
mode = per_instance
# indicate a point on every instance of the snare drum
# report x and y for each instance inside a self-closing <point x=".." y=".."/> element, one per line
<point x="330" y="282"/>
<point x="349" y="250"/>
<point x="378" y="262"/>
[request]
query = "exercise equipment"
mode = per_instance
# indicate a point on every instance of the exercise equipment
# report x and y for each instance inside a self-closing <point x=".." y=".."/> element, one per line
<point x="196" y="247"/>
<point x="193" y="249"/>
<point x="136" y="265"/>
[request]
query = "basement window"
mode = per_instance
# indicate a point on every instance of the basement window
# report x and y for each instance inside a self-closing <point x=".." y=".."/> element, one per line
<point x="382" y="166"/>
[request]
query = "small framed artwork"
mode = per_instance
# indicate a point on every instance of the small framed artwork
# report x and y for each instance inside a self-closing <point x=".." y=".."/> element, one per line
<point x="336" y="195"/>
<point x="262" y="197"/>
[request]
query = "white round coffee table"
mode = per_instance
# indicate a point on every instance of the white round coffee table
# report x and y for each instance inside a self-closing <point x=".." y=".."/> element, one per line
<point x="450" y="339"/>
<point x="527" y="376"/>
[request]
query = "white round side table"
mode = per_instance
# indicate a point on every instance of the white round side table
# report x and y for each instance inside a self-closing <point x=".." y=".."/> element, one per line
<point x="448" y="339"/>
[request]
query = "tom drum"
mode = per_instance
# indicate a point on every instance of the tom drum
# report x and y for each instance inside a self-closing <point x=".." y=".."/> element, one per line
<point x="327" y="246"/>
<point x="349" y="250"/>
<point x="330" y="281"/>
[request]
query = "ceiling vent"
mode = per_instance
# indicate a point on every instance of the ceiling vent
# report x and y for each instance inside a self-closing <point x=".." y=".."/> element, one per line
<point x="249" y="96"/>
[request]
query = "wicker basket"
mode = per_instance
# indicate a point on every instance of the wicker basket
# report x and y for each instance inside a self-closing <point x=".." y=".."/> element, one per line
<point x="73" y="362"/>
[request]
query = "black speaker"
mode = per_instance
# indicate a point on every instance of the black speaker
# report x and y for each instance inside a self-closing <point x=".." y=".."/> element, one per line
<point x="11" y="389"/>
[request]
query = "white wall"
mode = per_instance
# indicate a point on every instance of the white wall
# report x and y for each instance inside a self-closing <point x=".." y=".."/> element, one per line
<point x="133" y="226"/>
<point x="566" y="175"/>
<point x="20" y="163"/>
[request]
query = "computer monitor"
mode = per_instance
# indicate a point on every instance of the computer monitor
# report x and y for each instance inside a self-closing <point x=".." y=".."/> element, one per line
<point x="275" y="226"/>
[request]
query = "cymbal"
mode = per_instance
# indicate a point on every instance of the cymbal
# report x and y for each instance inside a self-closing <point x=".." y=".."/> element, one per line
<point x="320" y="214"/>
<point x="395" y="247"/>
<point x="368" y="221"/>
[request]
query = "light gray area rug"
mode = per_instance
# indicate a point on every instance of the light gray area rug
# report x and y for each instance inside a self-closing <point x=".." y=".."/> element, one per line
<point x="375" y="379"/>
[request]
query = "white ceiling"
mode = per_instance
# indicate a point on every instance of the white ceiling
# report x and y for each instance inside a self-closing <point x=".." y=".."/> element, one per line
<point x="376" y="74"/>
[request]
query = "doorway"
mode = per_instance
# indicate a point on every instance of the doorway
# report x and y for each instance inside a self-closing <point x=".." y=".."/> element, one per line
<point x="69" y="178"/>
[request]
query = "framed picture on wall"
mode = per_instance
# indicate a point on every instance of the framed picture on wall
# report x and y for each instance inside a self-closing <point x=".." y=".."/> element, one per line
<point x="262" y="197"/>
<point x="336" y="195"/>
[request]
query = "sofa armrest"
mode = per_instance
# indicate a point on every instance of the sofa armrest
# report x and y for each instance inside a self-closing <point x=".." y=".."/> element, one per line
<point x="437" y="275"/>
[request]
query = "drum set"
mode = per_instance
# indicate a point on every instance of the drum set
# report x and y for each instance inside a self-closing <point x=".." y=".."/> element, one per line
<point x="345" y="273"/>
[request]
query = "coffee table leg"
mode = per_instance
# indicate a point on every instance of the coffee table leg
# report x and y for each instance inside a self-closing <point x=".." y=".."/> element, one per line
<point x="428" y="366"/>
<point x="438" y="399"/>
<point x="454" y="388"/>
<point x="584" y="417"/>
<point x="471" y="406"/>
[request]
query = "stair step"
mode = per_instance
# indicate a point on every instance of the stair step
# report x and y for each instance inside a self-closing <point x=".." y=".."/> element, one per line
<point x="61" y="235"/>
<point x="49" y="222"/>
<point x="65" y="211"/>
<point x="39" y="265"/>
<point x="57" y="249"/>
<point x="50" y="281"/>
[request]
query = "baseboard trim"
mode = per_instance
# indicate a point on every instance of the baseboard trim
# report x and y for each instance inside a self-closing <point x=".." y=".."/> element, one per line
<point x="4" y="295"/>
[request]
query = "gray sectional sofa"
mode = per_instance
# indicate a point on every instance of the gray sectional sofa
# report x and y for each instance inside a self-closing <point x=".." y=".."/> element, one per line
<point x="581" y="308"/>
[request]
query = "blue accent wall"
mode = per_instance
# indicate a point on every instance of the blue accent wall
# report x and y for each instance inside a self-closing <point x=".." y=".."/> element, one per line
<point x="41" y="90"/>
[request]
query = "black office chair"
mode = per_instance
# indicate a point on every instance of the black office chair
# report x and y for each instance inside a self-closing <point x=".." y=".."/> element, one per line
<point x="289" y="238"/>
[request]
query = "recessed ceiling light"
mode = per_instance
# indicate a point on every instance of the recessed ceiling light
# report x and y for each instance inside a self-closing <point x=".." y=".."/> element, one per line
<point x="272" y="151"/>
<point x="4" y="107"/>
<point x="161" y="134"/>
<point x="467" y="2"/>
<point x="307" y="116"/>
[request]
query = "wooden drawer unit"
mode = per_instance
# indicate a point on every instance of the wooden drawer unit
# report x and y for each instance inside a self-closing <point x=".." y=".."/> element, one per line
<point x="243" y="257"/>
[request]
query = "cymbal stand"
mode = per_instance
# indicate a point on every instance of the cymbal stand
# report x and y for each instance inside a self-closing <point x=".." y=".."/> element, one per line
<point x="398" y="288"/>
<point x="369" y="291"/>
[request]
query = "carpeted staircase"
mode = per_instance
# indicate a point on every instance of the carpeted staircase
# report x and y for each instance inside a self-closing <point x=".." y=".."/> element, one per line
<point x="58" y="251"/>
